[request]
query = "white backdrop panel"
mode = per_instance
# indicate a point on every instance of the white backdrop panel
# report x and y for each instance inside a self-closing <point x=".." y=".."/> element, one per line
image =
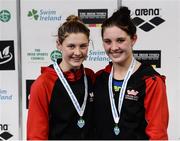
<point x="9" y="98"/>
<point x="39" y="23"/>
<point x="164" y="37"/>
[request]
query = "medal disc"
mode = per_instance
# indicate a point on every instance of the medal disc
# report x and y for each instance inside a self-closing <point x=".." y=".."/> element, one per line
<point x="116" y="130"/>
<point x="81" y="123"/>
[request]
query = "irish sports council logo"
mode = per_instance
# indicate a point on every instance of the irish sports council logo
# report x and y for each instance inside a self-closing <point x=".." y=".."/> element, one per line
<point x="5" y="16"/>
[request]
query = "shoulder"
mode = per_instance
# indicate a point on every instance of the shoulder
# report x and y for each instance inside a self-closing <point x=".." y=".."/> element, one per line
<point x="150" y="74"/>
<point x="41" y="89"/>
<point x="99" y="73"/>
<point x="105" y="70"/>
<point x="39" y="81"/>
<point x="89" y="71"/>
<point x="45" y="80"/>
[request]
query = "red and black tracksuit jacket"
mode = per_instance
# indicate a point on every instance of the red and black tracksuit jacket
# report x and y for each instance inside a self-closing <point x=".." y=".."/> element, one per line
<point x="51" y="113"/>
<point x="144" y="114"/>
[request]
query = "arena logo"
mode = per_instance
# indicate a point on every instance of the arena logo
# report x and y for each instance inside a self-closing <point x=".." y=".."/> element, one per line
<point x="7" y="55"/>
<point x="5" y="135"/>
<point x="44" y="15"/>
<point x="5" y="16"/>
<point x="150" y="24"/>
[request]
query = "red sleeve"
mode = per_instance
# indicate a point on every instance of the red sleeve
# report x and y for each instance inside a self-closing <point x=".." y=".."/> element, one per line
<point x="38" y="114"/>
<point x="156" y="109"/>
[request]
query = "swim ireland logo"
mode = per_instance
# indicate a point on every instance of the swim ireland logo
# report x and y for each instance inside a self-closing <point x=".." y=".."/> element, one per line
<point x="5" y="16"/>
<point x="45" y="15"/>
<point x="147" y="25"/>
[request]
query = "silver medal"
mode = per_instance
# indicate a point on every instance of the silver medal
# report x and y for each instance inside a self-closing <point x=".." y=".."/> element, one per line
<point x="116" y="113"/>
<point x="116" y="130"/>
<point x="80" y="110"/>
<point x="81" y="123"/>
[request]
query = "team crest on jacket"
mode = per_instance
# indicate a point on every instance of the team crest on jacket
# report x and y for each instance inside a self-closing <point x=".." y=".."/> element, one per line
<point x="91" y="97"/>
<point x="132" y="95"/>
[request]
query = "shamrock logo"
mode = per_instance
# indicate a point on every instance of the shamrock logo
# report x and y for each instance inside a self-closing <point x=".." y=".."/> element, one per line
<point x="33" y="14"/>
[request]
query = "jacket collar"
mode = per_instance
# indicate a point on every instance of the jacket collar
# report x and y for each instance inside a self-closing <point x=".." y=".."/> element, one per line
<point x="73" y="75"/>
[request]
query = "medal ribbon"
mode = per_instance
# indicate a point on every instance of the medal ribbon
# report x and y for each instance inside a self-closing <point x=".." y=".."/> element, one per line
<point x="116" y="117"/>
<point x="75" y="102"/>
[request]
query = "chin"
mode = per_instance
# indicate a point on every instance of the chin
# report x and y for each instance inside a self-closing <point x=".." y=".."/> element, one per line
<point x="116" y="60"/>
<point x="76" y="65"/>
